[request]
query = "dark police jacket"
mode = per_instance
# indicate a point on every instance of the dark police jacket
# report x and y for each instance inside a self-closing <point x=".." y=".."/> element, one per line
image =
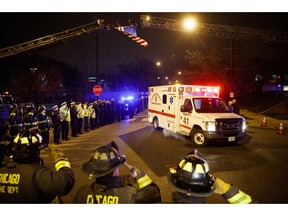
<point x="112" y="190"/>
<point x="55" y="119"/>
<point x="33" y="183"/>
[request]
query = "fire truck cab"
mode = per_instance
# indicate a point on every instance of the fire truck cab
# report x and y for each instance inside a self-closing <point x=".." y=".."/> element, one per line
<point x="196" y="112"/>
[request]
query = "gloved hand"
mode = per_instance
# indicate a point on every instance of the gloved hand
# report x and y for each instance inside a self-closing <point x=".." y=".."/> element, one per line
<point x="134" y="172"/>
<point x="221" y="187"/>
<point x="55" y="153"/>
<point x="139" y="179"/>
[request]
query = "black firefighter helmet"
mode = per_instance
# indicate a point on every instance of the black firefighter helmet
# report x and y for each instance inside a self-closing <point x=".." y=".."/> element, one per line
<point x="191" y="176"/>
<point x="104" y="160"/>
<point x="26" y="146"/>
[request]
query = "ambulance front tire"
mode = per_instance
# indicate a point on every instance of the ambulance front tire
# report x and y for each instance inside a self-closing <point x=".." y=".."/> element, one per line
<point x="156" y="124"/>
<point x="198" y="138"/>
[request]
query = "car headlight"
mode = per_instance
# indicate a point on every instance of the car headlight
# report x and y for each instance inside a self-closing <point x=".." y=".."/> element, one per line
<point x="210" y="126"/>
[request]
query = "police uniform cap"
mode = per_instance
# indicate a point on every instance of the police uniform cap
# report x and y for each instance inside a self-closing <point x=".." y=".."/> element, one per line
<point x="55" y="107"/>
<point x="64" y="103"/>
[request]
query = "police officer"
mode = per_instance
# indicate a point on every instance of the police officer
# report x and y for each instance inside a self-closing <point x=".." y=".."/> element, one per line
<point x="73" y="114"/>
<point x="97" y="113"/>
<point x="26" y="180"/>
<point x="64" y="117"/>
<point x="118" y="110"/>
<point x="80" y="118"/>
<point x="43" y="124"/>
<point x="193" y="182"/>
<point x="111" y="188"/>
<point x="56" y="123"/>
<point x="92" y="116"/>
<point x="236" y="107"/>
<point x="113" y="115"/>
<point x="86" y="117"/>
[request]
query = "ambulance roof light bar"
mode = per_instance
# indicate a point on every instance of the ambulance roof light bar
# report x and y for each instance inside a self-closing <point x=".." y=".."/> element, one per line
<point x="206" y="91"/>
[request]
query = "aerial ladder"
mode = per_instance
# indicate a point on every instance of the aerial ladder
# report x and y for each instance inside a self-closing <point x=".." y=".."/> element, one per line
<point x="221" y="31"/>
<point x="54" y="39"/>
<point x="264" y="37"/>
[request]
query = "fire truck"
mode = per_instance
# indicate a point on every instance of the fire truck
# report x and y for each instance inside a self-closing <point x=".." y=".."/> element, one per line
<point x="196" y="112"/>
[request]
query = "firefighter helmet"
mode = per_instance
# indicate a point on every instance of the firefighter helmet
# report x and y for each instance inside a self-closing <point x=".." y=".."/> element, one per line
<point x="41" y="108"/>
<point x="191" y="176"/>
<point x="29" y="107"/>
<point x="27" y="145"/>
<point x="104" y="160"/>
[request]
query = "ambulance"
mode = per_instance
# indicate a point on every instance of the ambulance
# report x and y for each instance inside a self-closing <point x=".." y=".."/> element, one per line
<point x="196" y="112"/>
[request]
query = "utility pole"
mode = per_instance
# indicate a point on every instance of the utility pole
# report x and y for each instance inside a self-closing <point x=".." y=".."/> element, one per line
<point x="97" y="58"/>
<point x="97" y="53"/>
<point x="231" y="73"/>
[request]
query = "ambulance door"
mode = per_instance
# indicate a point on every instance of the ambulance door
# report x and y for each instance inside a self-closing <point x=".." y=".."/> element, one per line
<point x="185" y="120"/>
<point x="171" y="101"/>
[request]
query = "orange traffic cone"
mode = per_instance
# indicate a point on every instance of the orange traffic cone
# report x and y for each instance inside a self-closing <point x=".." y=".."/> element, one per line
<point x="264" y="124"/>
<point x="280" y="129"/>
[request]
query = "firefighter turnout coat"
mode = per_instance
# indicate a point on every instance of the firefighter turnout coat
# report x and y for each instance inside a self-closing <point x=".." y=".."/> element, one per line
<point x="33" y="183"/>
<point x="113" y="190"/>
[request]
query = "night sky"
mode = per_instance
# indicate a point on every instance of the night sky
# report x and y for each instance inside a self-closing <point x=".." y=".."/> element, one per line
<point x="115" y="48"/>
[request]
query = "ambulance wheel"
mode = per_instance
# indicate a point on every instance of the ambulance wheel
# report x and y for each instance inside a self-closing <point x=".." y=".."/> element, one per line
<point x="198" y="138"/>
<point x="156" y="124"/>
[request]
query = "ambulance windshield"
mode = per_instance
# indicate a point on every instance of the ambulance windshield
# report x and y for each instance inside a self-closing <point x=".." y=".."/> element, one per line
<point x="210" y="105"/>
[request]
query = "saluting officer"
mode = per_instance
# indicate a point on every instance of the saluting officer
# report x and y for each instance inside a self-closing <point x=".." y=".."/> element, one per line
<point x="111" y="188"/>
<point x="27" y="180"/>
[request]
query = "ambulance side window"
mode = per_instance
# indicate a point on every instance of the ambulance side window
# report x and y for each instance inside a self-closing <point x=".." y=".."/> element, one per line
<point x="164" y="99"/>
<point x="187" y="106"/>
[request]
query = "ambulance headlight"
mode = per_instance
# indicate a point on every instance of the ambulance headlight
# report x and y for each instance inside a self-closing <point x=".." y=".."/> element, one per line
<point x="244" y="125"/>
<point x="210" y="126"/>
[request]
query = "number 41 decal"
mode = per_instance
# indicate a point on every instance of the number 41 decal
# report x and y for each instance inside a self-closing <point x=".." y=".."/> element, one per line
<point x="186" y="121"/>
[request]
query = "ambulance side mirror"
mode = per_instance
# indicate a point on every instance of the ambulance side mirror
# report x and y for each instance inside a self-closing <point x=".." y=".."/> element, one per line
<point x="184" y="108"/>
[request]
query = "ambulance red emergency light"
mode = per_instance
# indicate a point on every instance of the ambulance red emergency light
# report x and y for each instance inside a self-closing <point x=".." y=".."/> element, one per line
<point x="194" y="111"/>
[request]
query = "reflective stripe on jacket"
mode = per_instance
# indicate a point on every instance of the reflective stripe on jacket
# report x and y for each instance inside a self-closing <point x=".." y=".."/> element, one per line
<point x="236" y="196"/>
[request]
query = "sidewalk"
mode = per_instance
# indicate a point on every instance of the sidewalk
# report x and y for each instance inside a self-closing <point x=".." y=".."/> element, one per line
<point x="255" y="119"/>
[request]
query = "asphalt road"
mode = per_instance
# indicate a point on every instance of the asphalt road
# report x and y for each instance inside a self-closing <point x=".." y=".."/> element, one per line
<point x="257" y="165"/>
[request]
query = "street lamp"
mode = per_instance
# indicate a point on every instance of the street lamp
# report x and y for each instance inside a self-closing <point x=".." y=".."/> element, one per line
<point x="189" y="24"/>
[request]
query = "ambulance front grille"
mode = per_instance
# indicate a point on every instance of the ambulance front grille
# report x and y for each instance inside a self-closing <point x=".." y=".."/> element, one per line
<point x="228" y="126"/>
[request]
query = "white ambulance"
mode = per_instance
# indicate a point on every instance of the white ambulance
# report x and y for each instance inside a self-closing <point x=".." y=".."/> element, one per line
<point x="196" y="112"/>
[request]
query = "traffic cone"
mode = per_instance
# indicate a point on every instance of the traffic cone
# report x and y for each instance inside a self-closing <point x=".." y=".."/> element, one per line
<point x="280" y="129"/>
<point x="264" y="124"/>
